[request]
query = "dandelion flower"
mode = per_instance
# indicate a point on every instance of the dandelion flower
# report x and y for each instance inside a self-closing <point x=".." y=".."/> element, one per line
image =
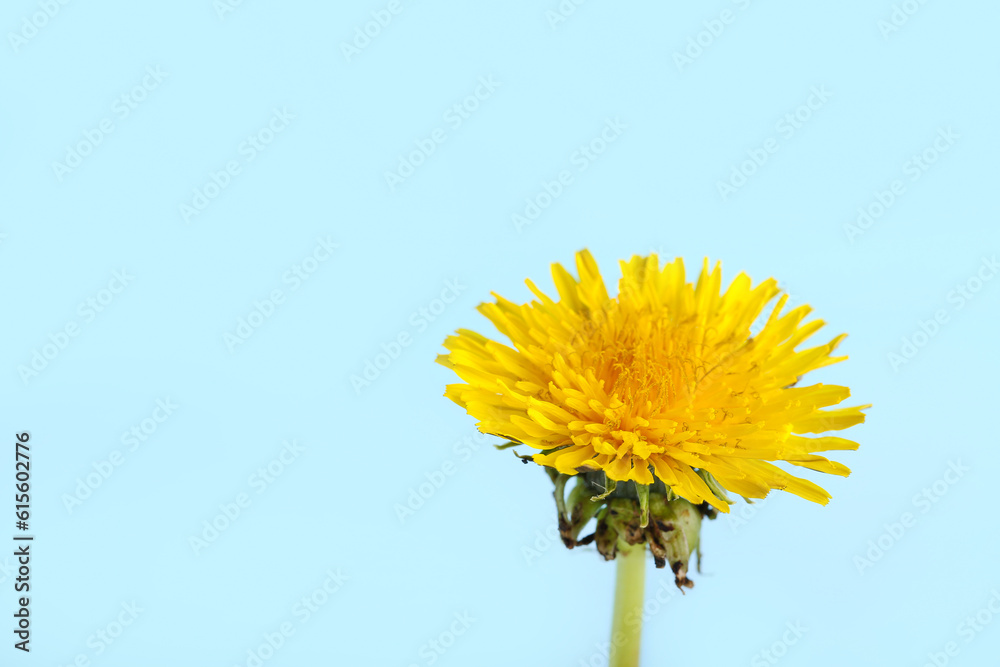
<point x="657" y="402"/>
<point x="664" y="381"/>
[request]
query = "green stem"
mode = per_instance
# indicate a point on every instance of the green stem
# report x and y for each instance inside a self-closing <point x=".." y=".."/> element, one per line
<point x="626" y="625"/>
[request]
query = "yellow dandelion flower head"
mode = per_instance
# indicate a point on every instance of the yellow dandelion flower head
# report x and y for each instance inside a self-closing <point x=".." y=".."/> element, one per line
<point x="666" y="381"/>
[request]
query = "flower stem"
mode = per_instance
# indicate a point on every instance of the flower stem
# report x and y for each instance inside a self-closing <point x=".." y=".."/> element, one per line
<point x="626" y="625"/>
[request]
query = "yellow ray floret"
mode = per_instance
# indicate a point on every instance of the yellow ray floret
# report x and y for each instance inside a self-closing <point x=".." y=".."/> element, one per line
<point x="664" y="380"/>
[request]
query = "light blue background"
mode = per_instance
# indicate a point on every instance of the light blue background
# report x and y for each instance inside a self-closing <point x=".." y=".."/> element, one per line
<point x="653" y="189"/>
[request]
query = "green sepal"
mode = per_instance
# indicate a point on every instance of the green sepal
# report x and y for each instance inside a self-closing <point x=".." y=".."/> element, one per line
<point x="643" y="492"/>
<point x="508" y="445"/>
<point x="714" y="486"/>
